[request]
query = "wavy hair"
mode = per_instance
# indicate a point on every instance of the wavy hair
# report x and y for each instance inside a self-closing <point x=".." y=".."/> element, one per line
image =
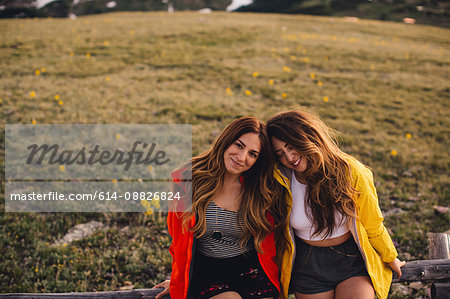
<point x="259" y="186"/>
<point x="328" y="173"/>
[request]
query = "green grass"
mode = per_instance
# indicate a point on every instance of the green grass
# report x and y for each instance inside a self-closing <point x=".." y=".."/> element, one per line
<point x="383" y="80"/>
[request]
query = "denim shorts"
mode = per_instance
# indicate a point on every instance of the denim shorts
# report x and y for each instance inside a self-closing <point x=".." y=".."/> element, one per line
<point x="321" y="269"/>
<point x="242" y="274"/>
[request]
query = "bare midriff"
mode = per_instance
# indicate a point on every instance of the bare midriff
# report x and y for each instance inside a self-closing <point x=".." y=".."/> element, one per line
<point x="329" y="242"/>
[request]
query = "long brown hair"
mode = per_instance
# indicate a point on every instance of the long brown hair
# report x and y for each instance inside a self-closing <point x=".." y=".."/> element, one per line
<point x="328" y="173"/>
<point x="208" y="170"/>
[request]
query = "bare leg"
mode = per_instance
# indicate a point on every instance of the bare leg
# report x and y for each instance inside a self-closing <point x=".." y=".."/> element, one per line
<point x="324" y="295"/>
<point x="358" y="287"/>
<point x="227" y="295"/>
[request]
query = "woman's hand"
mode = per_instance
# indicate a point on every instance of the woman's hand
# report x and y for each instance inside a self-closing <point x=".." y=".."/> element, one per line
<point x="396" y="265"/>
<point x="165" y="285"/>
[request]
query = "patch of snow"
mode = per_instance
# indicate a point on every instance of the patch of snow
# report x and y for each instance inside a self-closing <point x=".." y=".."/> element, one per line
<point x="41" y="3"/>
<point x="238" y="3"/>
<point x="205" y="10"/>
<point x="111" y="4"/>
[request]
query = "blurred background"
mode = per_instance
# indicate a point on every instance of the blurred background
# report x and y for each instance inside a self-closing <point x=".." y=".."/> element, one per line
<point x="376" y="71"/>
<point x="421" y="11"/>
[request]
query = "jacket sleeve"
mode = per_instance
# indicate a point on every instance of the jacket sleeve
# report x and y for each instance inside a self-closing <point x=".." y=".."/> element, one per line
<point x="174" y="225"/>
<point x="370" y="216"/>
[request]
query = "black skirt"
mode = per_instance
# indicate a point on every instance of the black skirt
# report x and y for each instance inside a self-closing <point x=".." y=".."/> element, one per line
<point x="242" y="274"/>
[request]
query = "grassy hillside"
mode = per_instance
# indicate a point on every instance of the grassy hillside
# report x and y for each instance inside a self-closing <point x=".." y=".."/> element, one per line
<point x="384" y="86"/>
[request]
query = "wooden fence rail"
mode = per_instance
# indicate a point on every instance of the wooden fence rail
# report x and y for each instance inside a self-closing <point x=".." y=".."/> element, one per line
<point x="424" y="270"/>
<point x="436" y="270"/>
<point x="133" y="294"/>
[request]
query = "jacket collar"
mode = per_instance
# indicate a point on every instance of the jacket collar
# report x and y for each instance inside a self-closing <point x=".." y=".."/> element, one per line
<point x="283" y="175"/>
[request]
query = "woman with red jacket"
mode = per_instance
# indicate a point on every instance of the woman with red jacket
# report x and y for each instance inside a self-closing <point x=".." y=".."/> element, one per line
<point x="223" y="245"/>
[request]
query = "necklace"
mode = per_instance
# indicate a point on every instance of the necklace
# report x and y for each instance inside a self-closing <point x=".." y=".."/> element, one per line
<point x="216" y="233"/>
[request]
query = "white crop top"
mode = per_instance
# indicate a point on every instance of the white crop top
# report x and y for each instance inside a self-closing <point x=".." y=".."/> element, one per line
<point x="299" y="220"/>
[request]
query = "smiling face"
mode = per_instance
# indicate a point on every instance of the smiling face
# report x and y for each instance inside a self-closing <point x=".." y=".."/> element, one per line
<point x="288" y="156"/>
<point x="242" y="153"/>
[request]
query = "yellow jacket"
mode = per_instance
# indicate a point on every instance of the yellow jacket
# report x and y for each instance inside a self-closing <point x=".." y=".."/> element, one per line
<point x="367" y="229"/>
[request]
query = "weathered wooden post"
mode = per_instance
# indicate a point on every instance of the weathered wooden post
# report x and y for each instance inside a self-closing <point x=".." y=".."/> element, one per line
<point x="439" y="249"/>
<point x="439" y="246"/>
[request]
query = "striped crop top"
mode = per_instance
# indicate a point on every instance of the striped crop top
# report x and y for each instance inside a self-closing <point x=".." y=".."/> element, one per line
<point x="223" y="235"/>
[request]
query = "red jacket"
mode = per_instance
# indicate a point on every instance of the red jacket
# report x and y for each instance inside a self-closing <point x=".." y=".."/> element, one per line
<point x="182" y="251"/>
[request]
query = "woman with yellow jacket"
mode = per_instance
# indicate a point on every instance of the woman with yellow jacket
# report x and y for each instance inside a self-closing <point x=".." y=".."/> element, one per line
<point x="339" y="245"/>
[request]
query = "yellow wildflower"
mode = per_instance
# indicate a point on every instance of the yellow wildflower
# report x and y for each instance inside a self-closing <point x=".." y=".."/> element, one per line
<point x="248" y="92"/>
<point x="106" y="43"/>
<point x="312" y="75"/>
<point x="408" y="135"/>
<point x="32" y="94"/>
<point x="284" y="95"/>
<point x="293" y="58"/>
<point x="107" y="79"/>
<point x="60" y="103"/>
<point x="156" y="204"/>
<point x="117" y="136"/>
<point x="228" y="92"/>
<point x="37" y="72"/>
<point x="114" y="181"/>
<point x="271" y="82"/>
<point x="88" y="55"/>
<point x="33" y="122"/>
<point x="325" y="99"/>
<point x="62" y="168"/>
<point x="43" y="69"/>
<point x="320" y="83"/>
<point x="394" y="153"/>
<point x="255" y="74"/>
<point x="71" y="54"/>
<point x="56" y="97"/>
<point x="287" y="69"/>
